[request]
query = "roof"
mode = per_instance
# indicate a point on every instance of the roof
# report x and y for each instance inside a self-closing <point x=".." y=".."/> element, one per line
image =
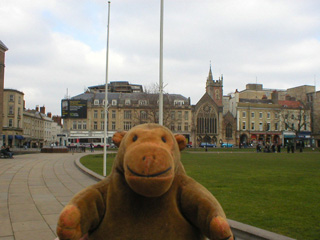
<point x="291" y="104"/>
<point x="4" y="47"/>
<point x="135" y="96"/>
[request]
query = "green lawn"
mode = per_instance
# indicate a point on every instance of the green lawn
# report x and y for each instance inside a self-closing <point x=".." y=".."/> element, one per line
<point x="276" y="192"/>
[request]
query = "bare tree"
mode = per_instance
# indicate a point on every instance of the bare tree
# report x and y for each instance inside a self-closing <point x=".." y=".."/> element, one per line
<point x="295" y="120"/>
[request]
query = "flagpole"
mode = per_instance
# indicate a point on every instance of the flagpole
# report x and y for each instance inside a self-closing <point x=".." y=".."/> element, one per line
<point x="106" y="100"/>
<point x="161" y="67"/>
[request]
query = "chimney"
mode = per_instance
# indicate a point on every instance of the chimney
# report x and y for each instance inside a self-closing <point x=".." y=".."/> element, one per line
<point x="43" y="110"/>
<point x="37" y="108"/>
<point x="49" y="114"/>
<point x="275" y="97"/>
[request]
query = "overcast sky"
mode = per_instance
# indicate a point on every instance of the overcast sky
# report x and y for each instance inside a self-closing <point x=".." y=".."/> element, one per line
<point x="59" y="45"/>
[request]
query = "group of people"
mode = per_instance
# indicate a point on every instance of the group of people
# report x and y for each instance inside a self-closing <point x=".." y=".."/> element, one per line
<point x="5" y="150"/>
<point x="268" y="149"/>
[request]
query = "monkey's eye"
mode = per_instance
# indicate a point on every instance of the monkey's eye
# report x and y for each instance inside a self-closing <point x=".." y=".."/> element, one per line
<point x="164" y="139"/>
<point x="135" y="137"/>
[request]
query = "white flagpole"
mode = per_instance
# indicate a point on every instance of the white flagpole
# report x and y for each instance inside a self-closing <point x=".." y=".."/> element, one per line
<point x="161" y="68"/>
<point x="106" y="100"/>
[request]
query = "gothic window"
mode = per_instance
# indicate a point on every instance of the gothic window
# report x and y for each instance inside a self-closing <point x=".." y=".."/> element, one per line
<point x="217" y="94"/>
<point x="207" y="121"/>
<point x="229" y="131"/>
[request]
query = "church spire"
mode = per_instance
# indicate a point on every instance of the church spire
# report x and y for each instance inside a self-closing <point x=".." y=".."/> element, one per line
<point x="210" y="77"/>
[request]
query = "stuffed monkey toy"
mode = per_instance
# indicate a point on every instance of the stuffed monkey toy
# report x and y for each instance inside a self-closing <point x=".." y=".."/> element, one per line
<point x="147" y="196"/>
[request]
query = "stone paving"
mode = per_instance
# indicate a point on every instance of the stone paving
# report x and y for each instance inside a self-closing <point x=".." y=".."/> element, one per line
<point x="33" y="190"/>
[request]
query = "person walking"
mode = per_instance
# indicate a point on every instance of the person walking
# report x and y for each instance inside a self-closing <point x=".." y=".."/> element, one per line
<point x="91" y="147"/>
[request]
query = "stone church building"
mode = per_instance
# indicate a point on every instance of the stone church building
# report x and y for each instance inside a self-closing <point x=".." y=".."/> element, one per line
<point x="210" y="122"/>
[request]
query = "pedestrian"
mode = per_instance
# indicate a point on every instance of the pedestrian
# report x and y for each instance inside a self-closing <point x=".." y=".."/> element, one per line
<point x="92" y="147"/>
<point x="292" y="148"/>
<point x="6" y="151"/>
<point x="278" y="148"/>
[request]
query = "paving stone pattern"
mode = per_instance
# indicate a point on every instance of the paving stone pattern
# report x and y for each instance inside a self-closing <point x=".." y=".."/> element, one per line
<point x="33" y="190"/>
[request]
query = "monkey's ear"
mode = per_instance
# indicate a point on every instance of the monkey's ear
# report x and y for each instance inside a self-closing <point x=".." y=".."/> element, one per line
<point x="117" y="137"/>
<point x="181" y="140"/>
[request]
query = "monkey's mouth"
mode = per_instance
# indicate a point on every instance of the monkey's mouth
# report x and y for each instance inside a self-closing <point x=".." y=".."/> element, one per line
<point x="148" y="175"/>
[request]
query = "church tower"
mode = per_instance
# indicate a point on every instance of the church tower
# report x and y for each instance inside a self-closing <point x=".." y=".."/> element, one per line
<point x="215" y="88"/>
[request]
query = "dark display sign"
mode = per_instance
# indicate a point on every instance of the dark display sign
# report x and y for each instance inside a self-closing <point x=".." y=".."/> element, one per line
<point x="73" y="108"/>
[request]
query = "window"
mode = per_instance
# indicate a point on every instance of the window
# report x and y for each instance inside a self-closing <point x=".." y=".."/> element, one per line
<point x="113" y="114"/>
<point x="96" y="102"/>
<point x="127" y="102"/>
<point x="276" y="127"/>
<point x="10" y="110"/>
<point x="179" y="127"/>
<point x="186" y="127"/>
<point x="179" y="115"/>
<point x="286" y="126"/>
<point x="10" y="122"/>
<point x="292" y="126"/>
<point x="243" y="125"/>
<point x="143" y="102"/>
<point x="102" y="114"/>
<point x="292" y="116"/>
<point x="252" y="125"/>
<point x="127" y="115"/>
<point x="243" y="114"/>
<point x="268" y="127"/>
<point x="260" y="126"/>
<point x="19" y="111"/>
<point x="19" y="100"/>
<point x="172" y="127"/>
<point x="276" y="115"/>
<point x="113" y="125"/>
<point x="186" y="115"/>
<point x="79" y="124"/>
<point x="11" y="98"/>
<point x="217" y="94"/>
<point x="178" y="102"/>
<point x="74" y="125"/>
<point x="95" y="114"/>
<point x="84" y="125"/>
<point x="143" y="115"/>
<point x="114" y="102"/>
<point x="172" y="115"/>
<point x="252" y="114"/>
<point x="229" y="130"/>
<point x="268" y="115"/>
<point x="126" y="126"/>
<point x="102" y="125"/>
<point x="95" y="125"/>
<point x="260" y="114"/>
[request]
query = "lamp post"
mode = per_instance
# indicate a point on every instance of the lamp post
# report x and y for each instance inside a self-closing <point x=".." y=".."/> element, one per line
<point x="106" y="100"/>
<point x="161" y="67"/>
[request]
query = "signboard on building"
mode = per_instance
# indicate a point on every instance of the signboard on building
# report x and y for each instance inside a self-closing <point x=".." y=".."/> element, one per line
<point x="73" y="108"/>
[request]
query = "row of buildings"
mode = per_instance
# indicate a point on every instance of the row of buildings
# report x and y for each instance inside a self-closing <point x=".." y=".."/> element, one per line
<point x="248" y="117"/>
<point x="24" y="127"/>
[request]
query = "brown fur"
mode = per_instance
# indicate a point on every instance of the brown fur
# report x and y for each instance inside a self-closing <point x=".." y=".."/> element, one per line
<point x="147" y="196"/>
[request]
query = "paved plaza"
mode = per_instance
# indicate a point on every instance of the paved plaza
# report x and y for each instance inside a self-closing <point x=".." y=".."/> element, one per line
<point x="33" y="190"/>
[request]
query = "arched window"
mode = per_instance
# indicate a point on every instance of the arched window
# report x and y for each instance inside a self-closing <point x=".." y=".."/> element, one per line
<point x="229" y="131"/>
<point x="207" y="121"/>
